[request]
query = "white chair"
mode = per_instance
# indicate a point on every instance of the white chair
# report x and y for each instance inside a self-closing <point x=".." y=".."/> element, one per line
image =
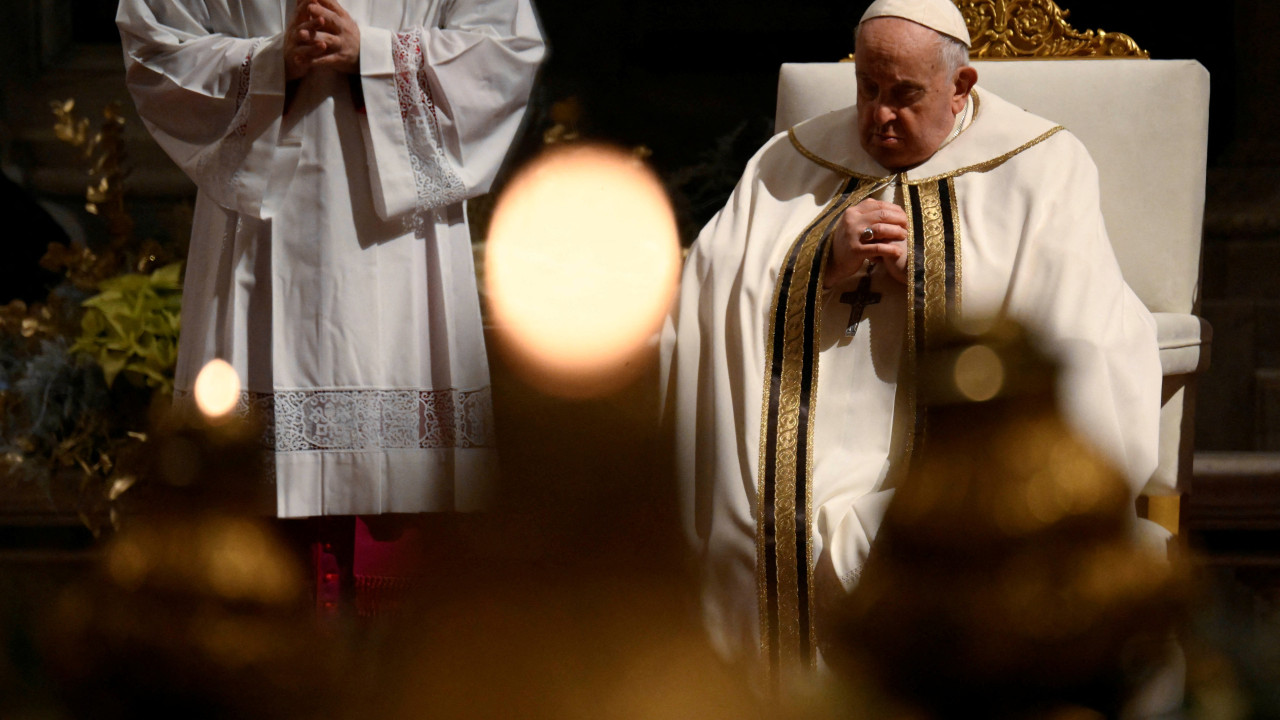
<point x="1145" y="122"/>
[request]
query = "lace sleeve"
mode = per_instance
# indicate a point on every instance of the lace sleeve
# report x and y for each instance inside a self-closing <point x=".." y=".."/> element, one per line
<point x="212" y="101"/>
<point x="434" y="179"/>
<point x="445" y="101"/>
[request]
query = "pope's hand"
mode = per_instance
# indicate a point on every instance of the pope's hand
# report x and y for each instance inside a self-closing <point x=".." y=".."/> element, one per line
<point x="852" y="245"/>
<point x="334" y="35"/>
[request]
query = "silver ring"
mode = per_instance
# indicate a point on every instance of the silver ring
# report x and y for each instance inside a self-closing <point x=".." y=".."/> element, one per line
<point x="867" y="234"/>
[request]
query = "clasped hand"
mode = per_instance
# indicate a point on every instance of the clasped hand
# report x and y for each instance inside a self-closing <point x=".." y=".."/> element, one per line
<point x="321" y="35"/>
<point x="851" y="247"/>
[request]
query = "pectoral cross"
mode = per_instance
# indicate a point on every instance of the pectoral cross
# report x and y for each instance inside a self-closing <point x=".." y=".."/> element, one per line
<point x="858" y="301"/>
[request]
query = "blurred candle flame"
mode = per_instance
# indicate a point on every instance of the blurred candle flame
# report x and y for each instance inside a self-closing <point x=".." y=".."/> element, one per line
<point x="581" y="267"/>
<point x="217" y="388"/>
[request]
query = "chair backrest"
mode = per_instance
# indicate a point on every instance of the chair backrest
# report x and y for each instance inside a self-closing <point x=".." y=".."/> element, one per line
<point x="1145" y="122"/>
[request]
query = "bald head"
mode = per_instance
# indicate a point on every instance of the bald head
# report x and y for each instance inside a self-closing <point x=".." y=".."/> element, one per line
<point x="912" y="82"/>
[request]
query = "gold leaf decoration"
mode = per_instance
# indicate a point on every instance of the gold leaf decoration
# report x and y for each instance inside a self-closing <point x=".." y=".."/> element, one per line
<point x="105" y="150"/>
<point x="1037" y="29"/>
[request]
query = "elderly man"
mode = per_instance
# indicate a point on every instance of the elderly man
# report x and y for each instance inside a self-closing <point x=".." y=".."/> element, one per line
<point x="849" y="243"/>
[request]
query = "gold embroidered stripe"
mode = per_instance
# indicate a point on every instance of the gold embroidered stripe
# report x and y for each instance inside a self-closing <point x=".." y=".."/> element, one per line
<point x="934" y="291"/>
<point x="915" y="315"/>
<point x="935" y="261"/>
<point x="951" y="227"/>
<point x="783" y="513"/>
<point x="783" y="509"/>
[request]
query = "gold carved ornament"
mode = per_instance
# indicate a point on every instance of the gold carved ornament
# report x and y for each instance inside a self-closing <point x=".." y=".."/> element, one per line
<point x="1036" y="29"/>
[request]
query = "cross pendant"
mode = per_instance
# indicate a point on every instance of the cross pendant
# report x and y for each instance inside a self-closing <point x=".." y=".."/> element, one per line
<point x="858" y="301"/>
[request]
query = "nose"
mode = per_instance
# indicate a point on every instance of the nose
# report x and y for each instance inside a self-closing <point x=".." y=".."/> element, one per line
<point x="883" y="113"/>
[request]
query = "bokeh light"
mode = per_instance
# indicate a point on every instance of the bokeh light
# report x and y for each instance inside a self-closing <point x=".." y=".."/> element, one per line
<point x="582" y="263"/>
<point x="217" y="388"/>
<point x="979" y="373"/>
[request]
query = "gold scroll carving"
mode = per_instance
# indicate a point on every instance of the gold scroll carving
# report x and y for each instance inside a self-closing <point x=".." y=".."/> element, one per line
<point x="1036" y="29"/>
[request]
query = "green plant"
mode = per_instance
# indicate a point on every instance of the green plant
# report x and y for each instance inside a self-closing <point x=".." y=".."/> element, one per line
<point x="132" y="325"/>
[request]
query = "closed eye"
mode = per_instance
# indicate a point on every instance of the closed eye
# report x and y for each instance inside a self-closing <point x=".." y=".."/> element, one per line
<point x="905" y="95"/>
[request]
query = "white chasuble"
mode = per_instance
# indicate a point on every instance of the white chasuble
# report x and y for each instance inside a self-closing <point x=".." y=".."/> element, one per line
<point x="790" y="433"/>
<point x="330" y="260"/>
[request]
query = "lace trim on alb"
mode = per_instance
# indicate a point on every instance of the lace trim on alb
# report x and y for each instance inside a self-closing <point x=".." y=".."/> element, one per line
<point x="851" y="577"/>
<point x="437" y="183"/>
<point x="242" y="93"/>
<point x="222" y="161"/>
<point x="364" y="420"/>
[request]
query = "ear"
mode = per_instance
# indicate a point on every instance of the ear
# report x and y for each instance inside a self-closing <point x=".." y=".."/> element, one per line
<point x="966" y="78"/>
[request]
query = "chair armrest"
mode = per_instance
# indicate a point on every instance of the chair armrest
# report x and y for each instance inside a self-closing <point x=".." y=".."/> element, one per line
<point x="1184" y="342"/>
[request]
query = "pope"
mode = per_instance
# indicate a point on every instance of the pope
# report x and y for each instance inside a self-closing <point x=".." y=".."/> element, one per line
<point x="849" y="245"/>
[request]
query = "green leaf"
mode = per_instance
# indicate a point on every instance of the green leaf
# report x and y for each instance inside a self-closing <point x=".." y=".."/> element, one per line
<point x="124" y="283"/>
<point x="112" y="363"/>
<point x="169" y="276"/>
<point x="93" y="322"/>
<point x="154" y="377"/>
<point x="104" y="299"/>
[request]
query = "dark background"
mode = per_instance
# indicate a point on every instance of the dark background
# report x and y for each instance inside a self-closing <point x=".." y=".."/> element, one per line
<point x="676" y="75"/>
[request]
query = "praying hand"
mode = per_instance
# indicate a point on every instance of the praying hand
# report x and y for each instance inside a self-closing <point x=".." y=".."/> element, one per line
<point x="321" y="35"/>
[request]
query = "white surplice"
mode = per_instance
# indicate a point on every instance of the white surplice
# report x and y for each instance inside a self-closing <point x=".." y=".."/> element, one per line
<point x="330" y="259"/>
<point x="1033" y="247"/>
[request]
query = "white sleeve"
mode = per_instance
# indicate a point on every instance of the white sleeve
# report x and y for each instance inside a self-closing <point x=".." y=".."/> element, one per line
<point x="212" y="101"/>
<point x="1069" y="289"/>
<point x="444" y="103"/>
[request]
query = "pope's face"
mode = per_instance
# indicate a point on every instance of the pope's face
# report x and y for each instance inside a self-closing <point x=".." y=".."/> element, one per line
<point x="907" y="99"/>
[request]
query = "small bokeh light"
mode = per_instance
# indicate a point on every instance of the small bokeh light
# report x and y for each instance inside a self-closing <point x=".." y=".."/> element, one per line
<point x="217" y="388"/>
<point x="582" y="263"/>
<point x="979" y="373"/>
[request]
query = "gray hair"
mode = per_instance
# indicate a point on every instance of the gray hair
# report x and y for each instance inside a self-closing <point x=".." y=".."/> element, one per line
<point x="953" y="54"/>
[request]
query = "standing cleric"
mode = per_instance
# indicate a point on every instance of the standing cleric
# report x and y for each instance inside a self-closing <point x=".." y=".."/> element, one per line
<point x="333" y="143"/>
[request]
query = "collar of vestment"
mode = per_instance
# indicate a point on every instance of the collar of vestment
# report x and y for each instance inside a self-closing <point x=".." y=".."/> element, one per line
<point x="999" y="131"/>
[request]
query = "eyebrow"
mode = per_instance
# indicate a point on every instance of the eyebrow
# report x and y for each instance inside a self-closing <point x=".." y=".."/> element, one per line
<point x="899" y="86"/>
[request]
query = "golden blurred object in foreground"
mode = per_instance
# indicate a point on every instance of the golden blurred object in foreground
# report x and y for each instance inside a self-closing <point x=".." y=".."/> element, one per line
<point x="202" y="614"/>
<point x="1005" y="578"/>
<point x="231" y="558"/>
